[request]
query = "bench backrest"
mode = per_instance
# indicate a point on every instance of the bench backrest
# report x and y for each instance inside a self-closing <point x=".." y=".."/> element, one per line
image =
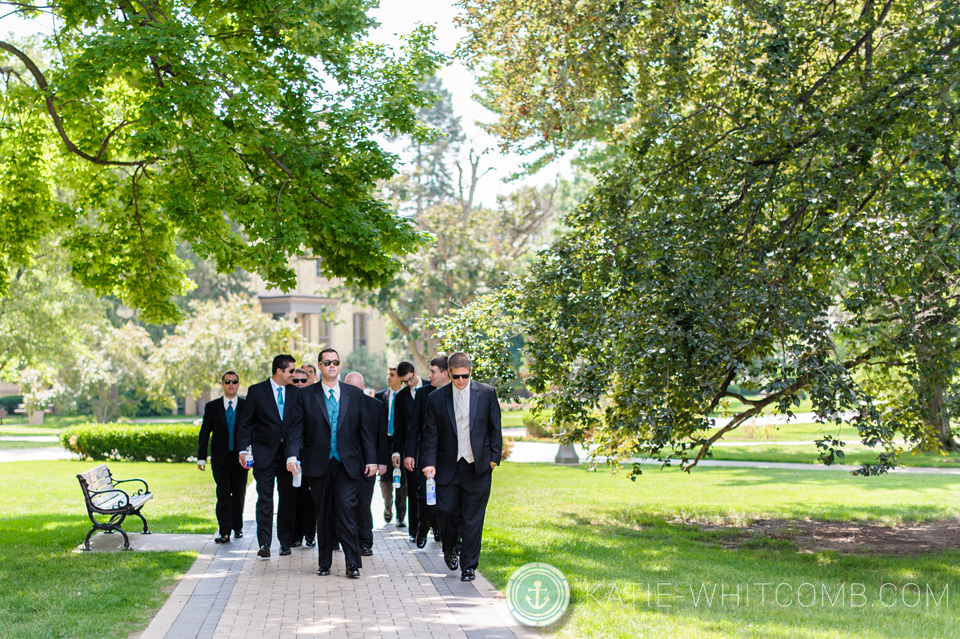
<point x="96" y="480"/>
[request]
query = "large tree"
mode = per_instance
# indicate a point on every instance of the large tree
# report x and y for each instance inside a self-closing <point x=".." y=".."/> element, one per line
<point x="248" y="129"/>
<point x="783" y="218"/>
<point x="472" y="249"/>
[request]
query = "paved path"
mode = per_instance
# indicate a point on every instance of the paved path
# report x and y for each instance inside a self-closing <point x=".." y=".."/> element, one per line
<point x="402" y="592"/>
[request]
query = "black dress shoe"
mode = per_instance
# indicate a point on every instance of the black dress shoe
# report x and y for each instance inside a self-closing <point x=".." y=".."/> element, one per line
<point x="400" y="524"/>
<point x="366" y="551"/>
<point x="436" y="536"/>
<point x="284" y="551"/>
<point x="323" y="572"/>
<point x="421" y="541"/>
<point x="467" y="574"/>
<point x="451" y="561"/>
<point x="310" y="542"/>
<point x="238" y="534"/>
<point x="296" y="544"/>
<point x="222" y="539"/>
<point x="353" y="572"/>
<point x="387" y="516"/>
<point x="264" y="551"/>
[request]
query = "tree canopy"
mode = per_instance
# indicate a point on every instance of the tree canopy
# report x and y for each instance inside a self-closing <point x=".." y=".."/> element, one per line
<point x="248" y="129"/>
<point x="782" y="217"/>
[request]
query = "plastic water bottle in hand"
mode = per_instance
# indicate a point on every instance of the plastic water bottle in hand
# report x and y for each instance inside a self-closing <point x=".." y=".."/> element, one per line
<point x="396" y="478"/>
<point x="248" y="460"/>
<point x="431" y="492"/>
<point x="298" y="476"/>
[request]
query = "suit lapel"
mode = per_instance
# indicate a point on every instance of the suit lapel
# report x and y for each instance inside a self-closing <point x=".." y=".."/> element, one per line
<point x="276" y="408"/>
<point x="322" y="400"/>
<point x="474" y="398"/>
<point x="451" y="409"/>
<point x="343" y="407"/>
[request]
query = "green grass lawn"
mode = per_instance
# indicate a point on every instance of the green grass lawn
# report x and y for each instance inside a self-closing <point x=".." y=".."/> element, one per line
<point x="854" y="455"/>
<point x="734" y="406"/>
<point x="48" y="591"/>
<point x="616" y="540"/>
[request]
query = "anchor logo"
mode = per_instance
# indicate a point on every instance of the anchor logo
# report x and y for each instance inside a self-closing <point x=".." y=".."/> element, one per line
<point x="536" y="590"/>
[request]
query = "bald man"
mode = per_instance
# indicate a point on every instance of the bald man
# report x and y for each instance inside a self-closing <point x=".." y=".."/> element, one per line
<point x="372" y="409"/>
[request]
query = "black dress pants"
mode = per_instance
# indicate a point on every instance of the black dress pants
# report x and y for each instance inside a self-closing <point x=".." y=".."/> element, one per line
<point x="426" y="514"/>
<point x="364" y="513"/>
<point x="277" y="472"/>
<point x="305" y="524"/>
<point x="461" y="505"/>
<point x="410" y="479"/>
<point x="335" y="500"/>
<point x="231" y="481"/>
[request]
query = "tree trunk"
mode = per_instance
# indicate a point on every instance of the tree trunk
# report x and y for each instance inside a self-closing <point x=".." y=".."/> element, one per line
<point x="937" y="418"/>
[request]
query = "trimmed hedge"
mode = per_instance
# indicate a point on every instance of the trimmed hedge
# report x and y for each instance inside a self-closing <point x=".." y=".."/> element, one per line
<point x="133" y="442"/>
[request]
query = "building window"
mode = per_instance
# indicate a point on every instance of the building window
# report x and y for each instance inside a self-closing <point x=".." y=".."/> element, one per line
<point x="324" y="337"/>
<point x="359" y="330"/>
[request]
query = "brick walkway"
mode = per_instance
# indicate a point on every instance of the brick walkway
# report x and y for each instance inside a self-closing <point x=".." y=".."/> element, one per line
<point x="402" y="592"/>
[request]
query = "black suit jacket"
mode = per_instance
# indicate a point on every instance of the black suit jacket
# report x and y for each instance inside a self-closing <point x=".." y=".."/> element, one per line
<point x="259" y="423"/>
<point x="414" y="427"/>
<point x="402" y="410"/>
<point x="215" y="423"/>
<point x="439" y="444"/>
<point x="373" y="409"/>
<point x="309" y="434"/>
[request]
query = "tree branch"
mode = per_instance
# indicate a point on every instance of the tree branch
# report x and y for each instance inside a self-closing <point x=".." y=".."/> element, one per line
<point x="283" y="167"/>
<point x="57" y="122"/>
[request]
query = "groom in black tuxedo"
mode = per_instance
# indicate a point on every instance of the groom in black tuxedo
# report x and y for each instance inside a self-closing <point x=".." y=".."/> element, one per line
<point x="336" y="447"/>
<point x="460" y="445"/>
<point x="220" y="420"/>
<point x="266" y="416"/>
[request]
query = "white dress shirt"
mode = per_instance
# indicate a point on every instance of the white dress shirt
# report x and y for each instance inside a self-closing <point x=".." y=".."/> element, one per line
<point x="413" y="390"/>
<point x="335" y="388"/>
<point x="461" y="409"/>
<point x="227" y="402"/>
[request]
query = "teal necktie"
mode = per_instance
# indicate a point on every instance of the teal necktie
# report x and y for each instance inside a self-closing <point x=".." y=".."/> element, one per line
<point x="280" y="401"/>
<point x="231" y="420"/>
<point x="392" y="406"/>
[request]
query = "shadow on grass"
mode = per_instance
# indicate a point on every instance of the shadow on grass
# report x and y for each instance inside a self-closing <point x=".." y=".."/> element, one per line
<point x="633" y="574"/>
<point x="49" y="591"/>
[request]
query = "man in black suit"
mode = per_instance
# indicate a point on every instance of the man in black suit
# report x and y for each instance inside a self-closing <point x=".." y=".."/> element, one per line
<point x="387" y="396"/>
<point x="403" y="408"/>
<point x="305" y="520"/>
<point x="220" y="420"/>
<point x="410" y="449"/>
<point x="267" y="414"/>
<point x="460" y="446"/>
<point x="372" y="412"/>
<point x="336" y="447"/>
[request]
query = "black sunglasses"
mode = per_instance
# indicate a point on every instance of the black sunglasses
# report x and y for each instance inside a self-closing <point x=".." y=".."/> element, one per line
<point x="231" y="381"/>
<point x="464" y="376"/>
<point x="330" y="362"/>
<point x="299" y="381"/>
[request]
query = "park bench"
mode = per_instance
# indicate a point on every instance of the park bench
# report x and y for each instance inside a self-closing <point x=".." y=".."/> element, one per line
<point x="103" y="498"/>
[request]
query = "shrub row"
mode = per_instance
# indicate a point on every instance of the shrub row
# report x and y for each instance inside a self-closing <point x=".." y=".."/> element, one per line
<point x="133" y="442"/>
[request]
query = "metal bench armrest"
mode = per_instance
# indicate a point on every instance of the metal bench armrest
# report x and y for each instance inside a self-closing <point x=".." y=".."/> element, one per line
<point x="112" y="490"/>
<point x="142" y="491"/>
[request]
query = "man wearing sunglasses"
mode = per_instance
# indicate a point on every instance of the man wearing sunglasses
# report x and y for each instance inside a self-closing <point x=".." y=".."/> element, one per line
<point x="266" y="417"/>
<point x="220" y="420"/>
<point x="305" y="521"/>
<point x="337" y="446"/>
<point x="460" y="445"/>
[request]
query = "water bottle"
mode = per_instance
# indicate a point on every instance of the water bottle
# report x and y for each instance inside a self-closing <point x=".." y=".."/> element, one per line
<point x="396" y="478"/>
<point x="431" y="492"/>
<point x="248" y="460"/>
<point x="297" y="476"/>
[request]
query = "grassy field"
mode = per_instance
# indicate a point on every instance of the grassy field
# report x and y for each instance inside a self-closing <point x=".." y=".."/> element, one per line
<point x="47" y="591"/>
<point x="854" y="455"/>
<point x="616" y="540"/>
